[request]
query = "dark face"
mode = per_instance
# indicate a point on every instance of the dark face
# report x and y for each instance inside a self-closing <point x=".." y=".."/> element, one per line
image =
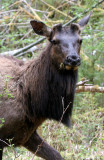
<point x="66" y="44"/>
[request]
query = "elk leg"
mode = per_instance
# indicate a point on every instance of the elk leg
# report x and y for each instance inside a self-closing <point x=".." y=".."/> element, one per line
<point x="36" y="145"/>
<point x="1" y="151"/>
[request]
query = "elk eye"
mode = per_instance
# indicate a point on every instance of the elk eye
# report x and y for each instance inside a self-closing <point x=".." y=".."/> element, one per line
<point x="80" y="41"/>
<point x="54" y="42"/>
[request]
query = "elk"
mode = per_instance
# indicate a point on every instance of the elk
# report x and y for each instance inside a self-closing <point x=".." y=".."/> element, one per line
<point x="33" y="92"/>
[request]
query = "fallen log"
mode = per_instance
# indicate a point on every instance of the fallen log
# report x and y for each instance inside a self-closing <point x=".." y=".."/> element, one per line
<point x="94" y="89"/>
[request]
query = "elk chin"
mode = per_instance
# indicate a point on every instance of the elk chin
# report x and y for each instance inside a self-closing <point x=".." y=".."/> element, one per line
<point x="75" y="68"/>
<point x="68" y="67"/>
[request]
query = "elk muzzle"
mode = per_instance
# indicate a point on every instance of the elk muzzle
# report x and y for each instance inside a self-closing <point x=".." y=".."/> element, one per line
<point x="72" y="62"/>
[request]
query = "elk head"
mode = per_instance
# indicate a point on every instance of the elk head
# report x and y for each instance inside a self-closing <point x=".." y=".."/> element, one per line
<point x="66" y="42"/>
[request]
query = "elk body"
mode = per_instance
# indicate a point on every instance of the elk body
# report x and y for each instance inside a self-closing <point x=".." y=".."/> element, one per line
<point x="33" y="92"/>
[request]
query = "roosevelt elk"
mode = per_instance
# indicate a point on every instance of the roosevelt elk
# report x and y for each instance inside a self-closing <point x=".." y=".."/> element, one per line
<point x="33" y="92"/>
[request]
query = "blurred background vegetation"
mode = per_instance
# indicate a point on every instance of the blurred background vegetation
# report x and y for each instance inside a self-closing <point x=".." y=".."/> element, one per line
<point x="85" y="140"/>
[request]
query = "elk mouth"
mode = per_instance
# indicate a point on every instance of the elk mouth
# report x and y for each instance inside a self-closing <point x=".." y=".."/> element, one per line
<point x="67" y="66"/>
<point x="71" y="62"/>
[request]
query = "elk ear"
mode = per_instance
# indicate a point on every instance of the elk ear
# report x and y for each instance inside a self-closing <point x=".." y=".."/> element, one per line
<point x="75" y="27"/>
<point x="40" y="28"/>
<point x="84" y="20"/>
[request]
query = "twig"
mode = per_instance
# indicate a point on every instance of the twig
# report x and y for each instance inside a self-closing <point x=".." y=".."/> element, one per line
<point x="5" y="12"/>
<point x="25" y="35"/>
<point x="5" y="142"/>
<point x="29" y="14"/>
<point x="81" y="83"/>
<point x="94" y="6"/>
<point x="15" y="3"/>
<point x="32" y="10"/>
<point x="9" y="145"/>
<point x="15" y="24"/>
<point x="56" y="10"/>
<point x="81" y="14"/>
<point x="62" y="5"/>
<point x="64" y="109"/>
<point x="40" y="11"/>
<point x="16" y="14"/>
<point x="39" y="146"/>
<point x="21" y="52"/>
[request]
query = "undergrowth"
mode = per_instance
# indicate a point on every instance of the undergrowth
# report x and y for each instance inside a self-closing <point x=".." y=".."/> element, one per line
<point x="83" y="141"/>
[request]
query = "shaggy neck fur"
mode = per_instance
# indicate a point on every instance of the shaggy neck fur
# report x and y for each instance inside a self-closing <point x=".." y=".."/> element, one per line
<point x="47" y="91"/>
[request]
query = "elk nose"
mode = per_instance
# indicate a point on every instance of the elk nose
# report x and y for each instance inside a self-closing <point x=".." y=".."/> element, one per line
<point x="73" y="60"/>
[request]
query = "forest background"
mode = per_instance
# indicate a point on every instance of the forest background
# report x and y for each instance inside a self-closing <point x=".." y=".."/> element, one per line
<point x="85" y="140"/>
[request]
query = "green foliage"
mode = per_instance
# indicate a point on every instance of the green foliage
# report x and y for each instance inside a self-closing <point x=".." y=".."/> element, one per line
<point x="85" y="140"/>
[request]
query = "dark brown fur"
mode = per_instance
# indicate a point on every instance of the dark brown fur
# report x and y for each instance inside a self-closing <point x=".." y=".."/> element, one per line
<point x="33" y="92"/>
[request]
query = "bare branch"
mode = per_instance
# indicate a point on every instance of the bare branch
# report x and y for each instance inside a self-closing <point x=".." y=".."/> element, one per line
<point x="56" y="10"/>
<point x="90" y="89"/>
<point x="86" y="11"/>
<point x="81" y="83"/>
